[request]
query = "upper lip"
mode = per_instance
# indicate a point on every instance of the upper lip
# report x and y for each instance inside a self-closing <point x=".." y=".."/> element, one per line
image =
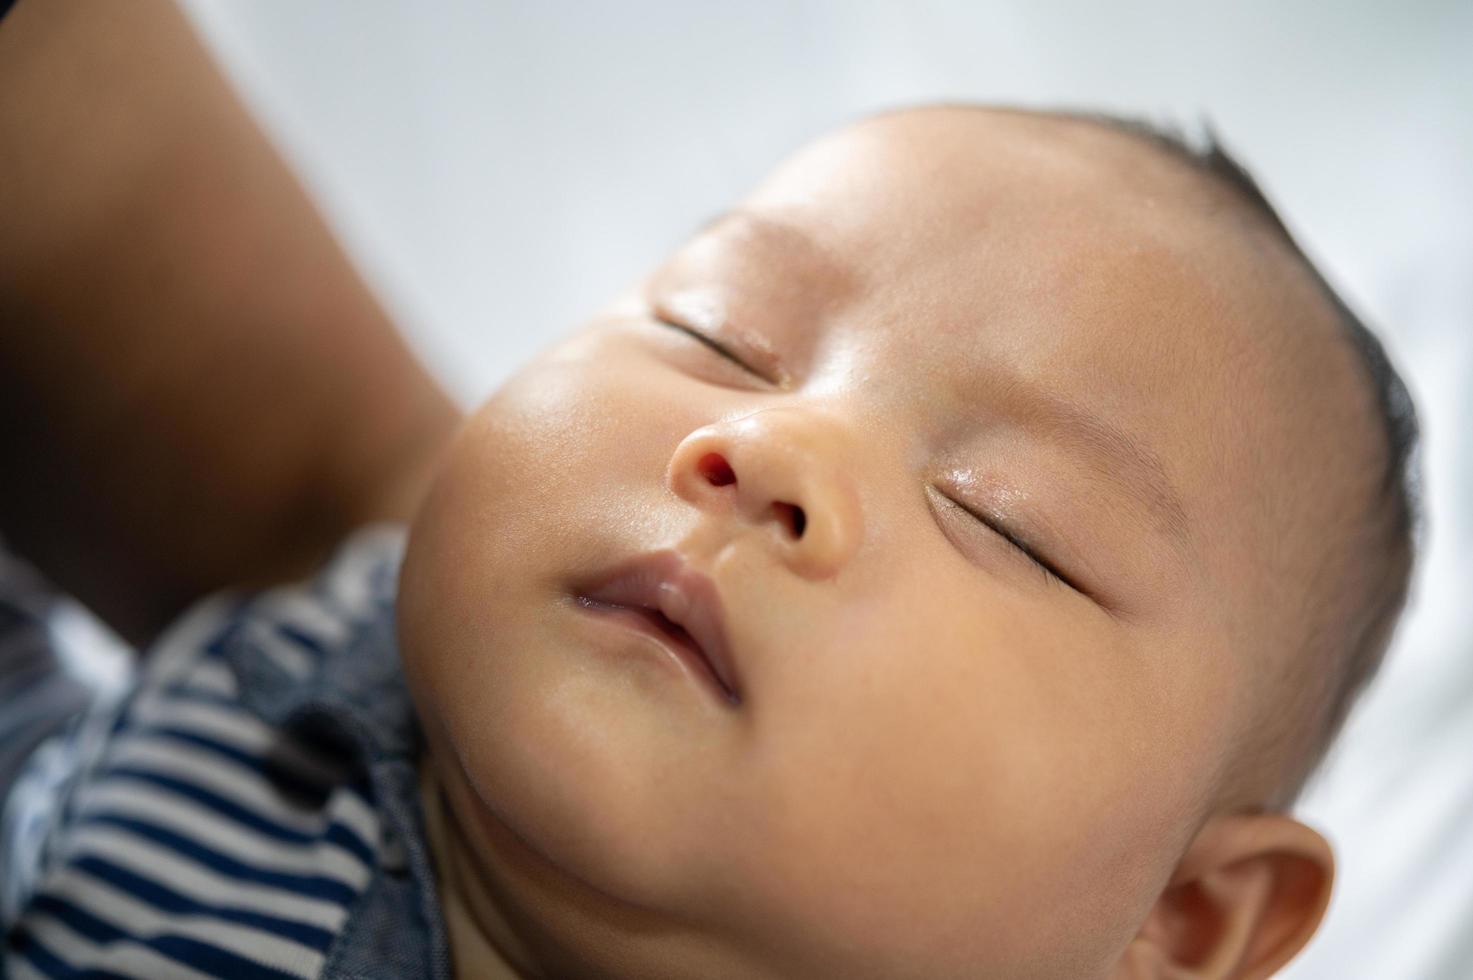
<point x="663" y="582"/>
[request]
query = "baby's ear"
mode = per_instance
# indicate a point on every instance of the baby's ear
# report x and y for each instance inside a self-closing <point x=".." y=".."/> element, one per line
<point x="1248" y="894"/>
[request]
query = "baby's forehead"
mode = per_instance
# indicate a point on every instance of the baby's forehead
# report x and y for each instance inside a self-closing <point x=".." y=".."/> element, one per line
<point x="989" y="192"/>
<point x="979" y="214"/>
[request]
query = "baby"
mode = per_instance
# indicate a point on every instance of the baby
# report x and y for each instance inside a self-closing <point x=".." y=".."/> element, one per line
<point x="1028" y="497"/>
<point x="951" y="562"/>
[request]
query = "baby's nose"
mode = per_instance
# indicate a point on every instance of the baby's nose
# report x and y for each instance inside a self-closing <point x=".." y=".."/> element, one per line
<point x="782" y="470"/>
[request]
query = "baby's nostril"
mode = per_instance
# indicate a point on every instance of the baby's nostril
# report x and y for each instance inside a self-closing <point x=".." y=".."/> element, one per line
<point x="793" y="517"/>
<point x="716" y="469"/>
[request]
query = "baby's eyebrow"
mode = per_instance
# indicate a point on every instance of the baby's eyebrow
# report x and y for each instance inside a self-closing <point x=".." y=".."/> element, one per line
<point x="800" y="253"/>
<point x="1109" y="450"/>
<point x="764" y="226"/>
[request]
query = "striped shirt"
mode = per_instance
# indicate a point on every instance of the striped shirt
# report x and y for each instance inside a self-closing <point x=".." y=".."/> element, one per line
<point x="246" y="809"/>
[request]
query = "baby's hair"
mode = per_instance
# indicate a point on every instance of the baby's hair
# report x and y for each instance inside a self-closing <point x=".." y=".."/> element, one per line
<point x="1326" y="694"/>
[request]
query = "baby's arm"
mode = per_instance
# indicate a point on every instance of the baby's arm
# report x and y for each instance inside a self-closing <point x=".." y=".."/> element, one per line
<point x="196" y="389"/>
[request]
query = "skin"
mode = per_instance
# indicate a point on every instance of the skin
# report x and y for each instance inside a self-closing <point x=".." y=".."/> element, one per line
<point x="947" y="763"/>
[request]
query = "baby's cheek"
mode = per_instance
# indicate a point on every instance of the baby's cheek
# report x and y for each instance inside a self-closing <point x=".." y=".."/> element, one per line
<point x="523" y="485"/>
<point x="954" y="794"/>
<point x="917" y="863"/>
<point x="466" y="550"/>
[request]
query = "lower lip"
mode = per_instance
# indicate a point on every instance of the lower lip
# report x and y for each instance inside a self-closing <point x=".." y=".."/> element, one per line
<point x="689" y="658"/>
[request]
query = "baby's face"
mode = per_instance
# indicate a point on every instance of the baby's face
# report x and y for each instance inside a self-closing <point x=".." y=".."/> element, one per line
<point x="948" y="760"/>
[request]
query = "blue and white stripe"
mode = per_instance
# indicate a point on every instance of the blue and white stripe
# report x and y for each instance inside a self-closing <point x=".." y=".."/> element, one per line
<point x="195" y="839"/>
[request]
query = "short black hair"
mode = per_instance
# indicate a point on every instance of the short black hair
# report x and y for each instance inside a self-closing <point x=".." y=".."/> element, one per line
<point x="1399" y="517"/>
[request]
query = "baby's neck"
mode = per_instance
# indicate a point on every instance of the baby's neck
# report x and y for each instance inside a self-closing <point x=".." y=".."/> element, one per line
<point x="473" y="953"/>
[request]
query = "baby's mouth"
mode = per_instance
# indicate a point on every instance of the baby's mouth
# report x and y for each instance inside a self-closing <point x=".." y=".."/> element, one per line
<point x="659" y="594"/>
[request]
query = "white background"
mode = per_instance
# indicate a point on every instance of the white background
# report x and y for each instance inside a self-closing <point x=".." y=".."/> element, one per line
<point x="500" y="169"/>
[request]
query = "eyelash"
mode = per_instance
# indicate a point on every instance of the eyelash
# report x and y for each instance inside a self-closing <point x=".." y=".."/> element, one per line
<point x="1050" y="574"/>
<point x="707" y="341"/>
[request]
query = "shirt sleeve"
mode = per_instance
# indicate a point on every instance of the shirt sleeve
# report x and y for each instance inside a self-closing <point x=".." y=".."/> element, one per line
<point x="38" y="695"/>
